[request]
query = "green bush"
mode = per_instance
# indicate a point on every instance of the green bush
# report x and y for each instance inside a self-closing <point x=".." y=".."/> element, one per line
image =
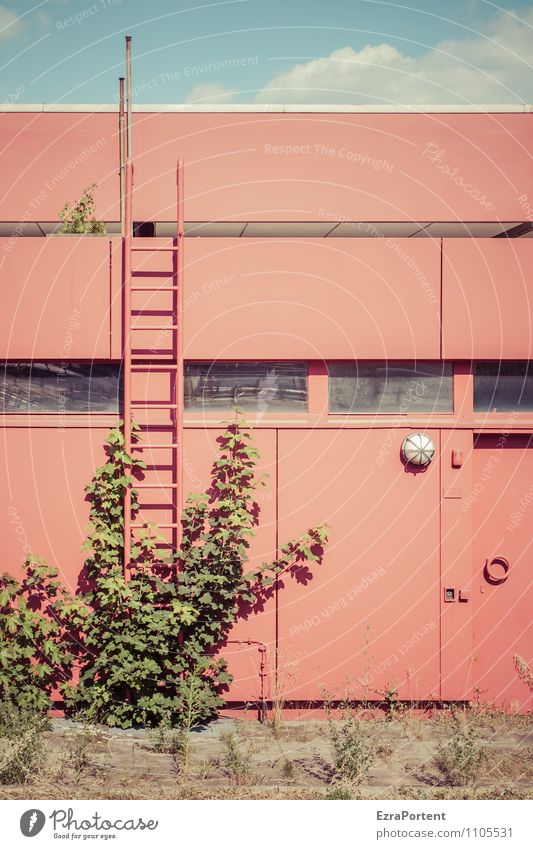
<point x="152" y="640"/>
<point x="145" y="647"/>
<point x="35" y="652"/>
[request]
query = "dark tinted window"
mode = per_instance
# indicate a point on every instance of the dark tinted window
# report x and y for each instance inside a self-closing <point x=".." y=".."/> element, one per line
<point x="259" y="386"/>
<point x="390" y="387"/>
<point x="503" y="387"/>
<point x="48" y="387"/>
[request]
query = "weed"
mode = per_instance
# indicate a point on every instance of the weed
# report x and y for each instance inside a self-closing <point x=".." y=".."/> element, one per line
<point x="384" y="751"/>
<point x="167" y="740"/>
<point x="177" y="741"/>
<point x="523" y="671"/>
<point x="339" y="791"/>
<point x="283" y="681"/>
<point x="237" y="765"/>
<point x="288" y="770"/>
<point x="354" y="750"/>
<point x="390" y="697"/>
<point x="411" y="725"/>
<point x="277" y="716"/>
<point x="366" y="673"/>
<point x="78" y="748"/>
<point x="174" y="742"/>
<point x="459" y="760"/>
<point x="206" y="768"/>
<point x="477" y="696"/>
<point x="78" y="217"/>
<point x="21" y="744"/>
<point x="507" y="768"/>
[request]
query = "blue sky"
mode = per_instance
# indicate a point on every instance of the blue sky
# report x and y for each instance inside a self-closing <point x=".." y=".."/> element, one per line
<point x="278" y="51"/>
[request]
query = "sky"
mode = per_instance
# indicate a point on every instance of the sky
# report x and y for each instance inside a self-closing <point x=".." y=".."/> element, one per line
<point x="268" y="51"/>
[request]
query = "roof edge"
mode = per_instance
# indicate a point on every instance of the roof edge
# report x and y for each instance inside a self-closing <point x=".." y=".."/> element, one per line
<point x="338" y="108"/>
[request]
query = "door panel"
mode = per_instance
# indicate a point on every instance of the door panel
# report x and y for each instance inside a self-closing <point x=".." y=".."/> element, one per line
<point x="368" y="618"/>
<point x="503" y="533"/>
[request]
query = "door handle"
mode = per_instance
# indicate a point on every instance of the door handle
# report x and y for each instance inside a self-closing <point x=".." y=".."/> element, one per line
<point x="496" y="570"/>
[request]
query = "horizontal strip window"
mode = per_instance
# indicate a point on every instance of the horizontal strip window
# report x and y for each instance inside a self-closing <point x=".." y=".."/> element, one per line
<point x="51" y="387"/>
<point x="331" y="226"/>
<point x="263" y="387"/>
<point x="503" y="387"/>
<point x="390" y="387"/>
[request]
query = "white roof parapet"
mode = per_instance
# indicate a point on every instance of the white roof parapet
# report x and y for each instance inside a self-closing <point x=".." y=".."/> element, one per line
<point x="271" y="107"/>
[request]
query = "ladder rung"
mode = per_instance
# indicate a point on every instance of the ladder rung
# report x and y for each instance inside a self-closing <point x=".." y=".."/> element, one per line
<point x="155" y="289"/>
<point x="148" y="447"/>
<point x="140" y="406"/>
<point x="155" y="327"/>
<point x="148" y="367"/>
<point x="136" y="313"/>
<point x="170" y="506"/>
<point x="154" y="250"/>
<point x="159" y="525"/>
<point x="155" y="486"/>
<point x="158" y="352"/>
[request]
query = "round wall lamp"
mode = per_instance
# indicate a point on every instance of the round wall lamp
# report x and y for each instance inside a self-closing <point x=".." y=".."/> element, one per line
<point x="418" y="449"/>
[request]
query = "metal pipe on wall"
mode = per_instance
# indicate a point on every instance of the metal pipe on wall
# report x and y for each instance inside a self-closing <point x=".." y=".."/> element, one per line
<point x="122" y="150"/>
<point x="262" y="648"/>
<point x="126" y="301"/>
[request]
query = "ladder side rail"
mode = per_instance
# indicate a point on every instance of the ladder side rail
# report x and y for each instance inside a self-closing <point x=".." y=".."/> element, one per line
<point x="180" y="396"/>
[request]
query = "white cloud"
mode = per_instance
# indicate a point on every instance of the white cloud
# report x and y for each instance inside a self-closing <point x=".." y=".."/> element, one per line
<point x="10" y="25"/>
<point x="209" y="93"/>
<point x="44" y="21"/>
<point x="493" y="66"/>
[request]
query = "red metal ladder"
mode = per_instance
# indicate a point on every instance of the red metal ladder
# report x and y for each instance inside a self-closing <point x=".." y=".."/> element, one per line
<point x="170" y="361"/>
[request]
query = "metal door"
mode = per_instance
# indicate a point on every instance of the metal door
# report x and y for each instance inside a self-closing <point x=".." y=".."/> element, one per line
<point x="367" y="620"/>
<point x="503" y="555"/>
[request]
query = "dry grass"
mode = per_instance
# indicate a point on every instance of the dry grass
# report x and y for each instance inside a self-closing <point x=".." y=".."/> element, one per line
<point x="246" y="760"/>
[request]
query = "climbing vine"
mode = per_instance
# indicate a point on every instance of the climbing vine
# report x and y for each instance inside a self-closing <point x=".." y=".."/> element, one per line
<point x="139" y="647"/>
<point x="129" y="666"/>
<point x="217" y="529"/>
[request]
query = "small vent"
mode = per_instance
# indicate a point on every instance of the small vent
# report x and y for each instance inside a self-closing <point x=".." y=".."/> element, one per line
<point x="146" y="229"/>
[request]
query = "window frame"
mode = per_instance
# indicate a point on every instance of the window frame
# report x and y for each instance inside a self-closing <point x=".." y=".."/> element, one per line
<point x="499" y="416"/>
<point x="60" y="413"/>
<point x="250" y="412"/>
<point x="408" y="414"/>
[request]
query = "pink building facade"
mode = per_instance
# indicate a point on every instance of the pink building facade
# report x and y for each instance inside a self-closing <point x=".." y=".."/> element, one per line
<point x="349" y="278"/>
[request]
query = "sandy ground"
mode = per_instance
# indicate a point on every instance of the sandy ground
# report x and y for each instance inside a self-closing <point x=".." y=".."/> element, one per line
<point x="294" y="759"/>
